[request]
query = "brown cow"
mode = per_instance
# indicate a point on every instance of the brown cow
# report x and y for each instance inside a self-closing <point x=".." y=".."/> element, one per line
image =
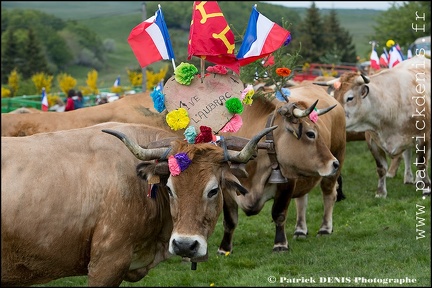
<point x="392" y="106"/>
<point x="72" y="203"/>
<point x="136" y="108"/>
<point x="307" y="153"/>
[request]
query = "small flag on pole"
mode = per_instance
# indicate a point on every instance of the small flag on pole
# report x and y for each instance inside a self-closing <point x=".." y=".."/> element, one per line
<point x="374" y="60"/>
<point x="117" y="82"/>
<point x="150" y="41"/>
<point x="44" y="100"/>
<point x="394" y="57"/>
<point x="262" y="38"/>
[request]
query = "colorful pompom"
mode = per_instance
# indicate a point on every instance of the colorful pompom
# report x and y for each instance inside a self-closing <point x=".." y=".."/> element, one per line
<point x="234" y="106"/>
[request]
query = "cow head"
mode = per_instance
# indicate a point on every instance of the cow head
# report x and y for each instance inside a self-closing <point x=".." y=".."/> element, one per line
<point x="196" y="177"/>
<point x="301" y="144"/>
<point x="350" y="90"/>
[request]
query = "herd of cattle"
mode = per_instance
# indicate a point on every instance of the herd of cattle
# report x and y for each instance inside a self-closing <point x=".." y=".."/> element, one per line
<point x="76" y="201"/>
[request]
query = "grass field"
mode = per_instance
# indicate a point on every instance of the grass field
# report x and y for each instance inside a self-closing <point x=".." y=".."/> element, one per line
<point x="379" y="240"/>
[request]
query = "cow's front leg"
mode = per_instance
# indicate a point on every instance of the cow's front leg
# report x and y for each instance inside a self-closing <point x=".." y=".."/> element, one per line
<point x="381" y="166"/>
<point x="230" y="221"/>
<point x="279" y="212"/>
<point x="328" y="188"/>
<point x="301" y="226"/>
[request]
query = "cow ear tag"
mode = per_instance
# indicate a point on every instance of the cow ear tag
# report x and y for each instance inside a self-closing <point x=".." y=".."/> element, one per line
<point x="154" y="179"/>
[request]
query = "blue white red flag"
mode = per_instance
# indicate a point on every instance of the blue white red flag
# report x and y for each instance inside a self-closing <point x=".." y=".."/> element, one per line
<point x="262" y="37"/>
<point x="383" y="60"/>
<point x="117" y="82"/>
<point x="374" y="60"/>
<point x="394" y="57"/>
<point x="150" y="41"/>
<point x="44" y="100"/>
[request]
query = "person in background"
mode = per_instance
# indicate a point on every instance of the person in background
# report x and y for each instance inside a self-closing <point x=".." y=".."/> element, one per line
<point x="69" y="101"/>
<point x="78" y="100"/>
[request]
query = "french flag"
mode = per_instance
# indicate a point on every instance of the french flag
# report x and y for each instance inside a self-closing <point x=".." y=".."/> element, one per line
<point x="394" y="57"/>
<point x="383" y="60"/>
<point x="262" y="38"/>
<point x="374" y="60"/>
<point x="150" y="41"/>
<point x="44" y="100"/>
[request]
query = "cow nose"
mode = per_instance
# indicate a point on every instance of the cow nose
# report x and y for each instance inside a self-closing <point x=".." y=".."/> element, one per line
<point x="185" y="248"/>
<point x="335" y="165"/>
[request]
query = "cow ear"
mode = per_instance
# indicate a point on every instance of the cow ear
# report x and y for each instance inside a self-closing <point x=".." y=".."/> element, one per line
<point x="230" y="182"/>
<point x="364" y="91"/>
<point x="239" y="170"/>
<point x="147" y="169"/>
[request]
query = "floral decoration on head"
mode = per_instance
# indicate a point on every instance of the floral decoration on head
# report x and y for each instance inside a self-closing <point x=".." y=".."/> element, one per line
<point x="313" y="116"/>
<point x="247" y="94"/>
<point x="178" y="119"/>
<point x="234" y="105"/>
<point x="158" y="100"/>
<point x="185" y="73"/>
<point x="205" y="135"/>
<point x="178" y="163"/>
<point x="217" y="69"/>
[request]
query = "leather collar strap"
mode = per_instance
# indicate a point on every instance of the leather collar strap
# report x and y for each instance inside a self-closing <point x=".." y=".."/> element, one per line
<point x="270" y="141"/>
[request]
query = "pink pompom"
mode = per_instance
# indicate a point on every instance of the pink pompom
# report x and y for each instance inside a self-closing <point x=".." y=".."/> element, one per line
<point x="174" y="168"/>
<point x="233" y="125"/>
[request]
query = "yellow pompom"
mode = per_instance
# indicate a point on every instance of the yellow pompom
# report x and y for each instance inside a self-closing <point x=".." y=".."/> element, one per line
<point x="390" y="43"/>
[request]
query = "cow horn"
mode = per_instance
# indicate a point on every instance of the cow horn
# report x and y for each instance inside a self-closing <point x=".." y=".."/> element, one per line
<point x="325" y="110"/>
<point x="328" y="83"/>
<point x="138" y="151"/>
<point x="249" y="149"/>
<point x="299" y="113"/>
<point x="362" y="79"/>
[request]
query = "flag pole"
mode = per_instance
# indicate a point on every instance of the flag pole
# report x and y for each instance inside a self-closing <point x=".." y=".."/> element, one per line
<point x="202" y="69"/>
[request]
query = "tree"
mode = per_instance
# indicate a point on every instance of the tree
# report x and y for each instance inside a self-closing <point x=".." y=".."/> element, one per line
<point x="35" y="58"/>
<point x="310" y="35"/>
<point x="338" y="41"/>
<point x="9" y="56"/>
<point x="399" y="23"/>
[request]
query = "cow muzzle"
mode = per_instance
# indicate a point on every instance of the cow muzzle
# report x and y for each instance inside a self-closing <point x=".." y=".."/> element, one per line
<point x="190" y="246"/>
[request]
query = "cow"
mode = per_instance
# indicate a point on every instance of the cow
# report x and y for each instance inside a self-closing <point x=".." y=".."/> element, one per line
<point x="363" y="136"/>
<point x="136" y="108"/>
<point x="307" y="154"/>
<point x="392" y="106"/>
<point x="77" y="202"/>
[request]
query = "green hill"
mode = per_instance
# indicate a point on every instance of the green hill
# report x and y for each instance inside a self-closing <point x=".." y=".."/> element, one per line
<point x="114" y="20"/>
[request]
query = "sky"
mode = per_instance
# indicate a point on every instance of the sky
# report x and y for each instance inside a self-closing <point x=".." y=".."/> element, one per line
<point x="378" y="5"/>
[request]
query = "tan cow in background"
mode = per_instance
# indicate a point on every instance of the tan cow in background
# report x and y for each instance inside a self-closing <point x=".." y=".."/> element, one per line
<point x="392" y="106"/>
<point x="72" y="203"/>
<point x="136" y="108"/>
<point x="308" y="154"/>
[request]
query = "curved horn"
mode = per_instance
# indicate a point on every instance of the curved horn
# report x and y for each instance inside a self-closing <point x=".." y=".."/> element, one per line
<point x="138" y="151"/>
<point x="362" y="79"/>
<point x="328" y="83"/>
<point x="325" y="110"/>
<point x="249" y="149"/>
<point x="303" y="113"/>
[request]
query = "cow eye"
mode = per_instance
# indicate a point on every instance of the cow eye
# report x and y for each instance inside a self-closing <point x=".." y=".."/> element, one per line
<point x="169" y="191"/>
<point x="310" y="134"/>
<point x="350" y="98"/>
<point x="212" y="192"/>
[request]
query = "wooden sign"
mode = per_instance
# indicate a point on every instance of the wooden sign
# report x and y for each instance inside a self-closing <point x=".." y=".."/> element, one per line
<point x="204" y="99"/>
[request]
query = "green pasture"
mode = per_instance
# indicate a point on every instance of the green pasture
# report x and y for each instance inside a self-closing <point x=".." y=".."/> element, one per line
<point x="374" y="242"/>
